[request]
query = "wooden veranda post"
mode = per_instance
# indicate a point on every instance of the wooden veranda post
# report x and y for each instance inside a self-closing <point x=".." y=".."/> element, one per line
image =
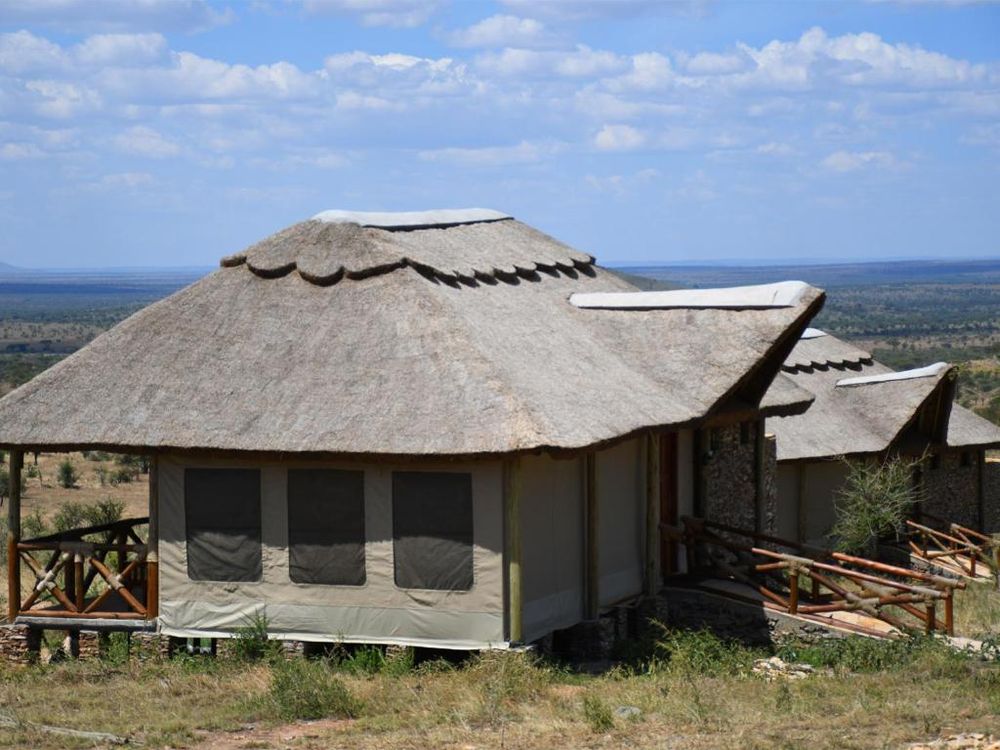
<point x="592" y="594"/>
<point x="652" y="513"/>
<point x="512" y="542"/>
<point x="14" y="535"/>
<point x="153" y="542"/>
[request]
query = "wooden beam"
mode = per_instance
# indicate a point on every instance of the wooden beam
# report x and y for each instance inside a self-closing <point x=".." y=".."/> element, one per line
<point x="593" y="568"/>
<point x="512" y="541"/>
<point x="652" y="573"/>
<point x="153" y="542"/>
<point x="14" y="535"/>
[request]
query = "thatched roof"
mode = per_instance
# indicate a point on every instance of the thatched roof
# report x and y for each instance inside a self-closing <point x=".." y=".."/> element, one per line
<point x="861" y="406"/>
<point x="335" y="338"/>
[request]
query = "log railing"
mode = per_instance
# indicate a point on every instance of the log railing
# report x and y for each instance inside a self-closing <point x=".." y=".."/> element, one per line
<point x="958" y="547"/>
<point x="813" y="581"/>
<point x="97" y="572"/>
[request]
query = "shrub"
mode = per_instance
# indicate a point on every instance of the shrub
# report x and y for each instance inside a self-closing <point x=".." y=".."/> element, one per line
<point x="102" y="475"/>
<point x="33" y="525"/>
<point x="597" y="714"/>
<point x="121" y="475"/>
<point x="67" y="474"/>
<point x="701" y="652"/>
<point x="31" y="471"/>
<point x="75" y="515"/>
<point x="303" y="689"/>
<point x="372" y="660"/>
<point x="859" y="654"/>
<point x="505" y="678"/>
<point x="875" y="501"/>
<point x="252" y="642"/>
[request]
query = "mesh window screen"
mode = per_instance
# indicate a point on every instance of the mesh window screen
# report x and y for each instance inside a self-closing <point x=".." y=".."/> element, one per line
<point x="432" y="530"/>
<point x="326" y="526"/>
<point x="222" y="511"/>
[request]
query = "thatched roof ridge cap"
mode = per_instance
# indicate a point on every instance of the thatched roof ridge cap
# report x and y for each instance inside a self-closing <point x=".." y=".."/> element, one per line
<point x="391" y="220"/>
<point x="936" y="370"/>
<point x="782" y="294"/>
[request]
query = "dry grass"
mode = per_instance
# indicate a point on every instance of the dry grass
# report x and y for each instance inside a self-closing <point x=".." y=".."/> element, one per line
<point x="506" y="700"/>
<point x="977" y="611"/>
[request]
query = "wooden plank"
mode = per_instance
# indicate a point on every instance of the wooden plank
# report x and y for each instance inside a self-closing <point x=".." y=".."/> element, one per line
<point x="593" y="568"/>
<point x="512" y="539"/>
<point x="652" y="574"/>
<point x="14" y="535"/>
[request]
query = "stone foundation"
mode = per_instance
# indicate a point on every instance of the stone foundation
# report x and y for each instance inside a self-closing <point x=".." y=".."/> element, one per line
<point x="19" y="644"/>
<point x="951" y="490"/>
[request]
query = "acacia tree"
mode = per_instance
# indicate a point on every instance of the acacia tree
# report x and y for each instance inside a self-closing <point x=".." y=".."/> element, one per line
<point x="874" y="501"/>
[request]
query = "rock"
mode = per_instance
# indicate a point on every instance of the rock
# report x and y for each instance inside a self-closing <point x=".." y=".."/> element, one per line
<point x="627" y="712"/>
<point x="777" y="668"/>
<point x="967" y="741"/>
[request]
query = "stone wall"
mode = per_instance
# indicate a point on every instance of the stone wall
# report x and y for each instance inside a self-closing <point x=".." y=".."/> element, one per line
<point x="951" y="490"/>
<point x="991" y="496"/>
<point x="19" y="644"/>
<point x="730" y="478"/>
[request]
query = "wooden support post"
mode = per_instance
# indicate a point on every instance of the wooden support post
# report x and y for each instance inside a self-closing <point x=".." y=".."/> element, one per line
<point x="949" y="612"/>
<point x="759" y="475"/>
<point x="78" y="588"/>
<point x="153" y="542"/>
<point x="512" y="539"/>
<point x="14" y="536"/>
<point x="815" y="589"/>
<point x="931" y="617"/>
<point x="793" y="589"/>
<point x="652" y="574"/>
<point x="593" y="569"/>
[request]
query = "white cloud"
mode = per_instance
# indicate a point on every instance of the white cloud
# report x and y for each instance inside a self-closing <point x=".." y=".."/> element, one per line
<point x="144" y="141"/>
<point x="648" y="71"/>
<point x="525" y="152"/>
<point x="62" y="100"/>
<point x="23" y="51"/>
<point x="395" y="13"/>
<point x="712" y="63"/>
<point x="20" y="151"/>
<point x="622" y="185"/>
<point x="619" y="138"/>
<point x="851" y="161"/>
<point x="775" y="149"/>
<point x="121" y="49"/>
<point x="502" y="31"/>
<point x="582" y="62"/>
<point x="77" y="16"/>
<point x="589" y="10"/>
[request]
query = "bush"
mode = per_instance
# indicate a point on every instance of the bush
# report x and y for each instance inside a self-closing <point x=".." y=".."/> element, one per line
<point x="859" y="654"/>
<point x="74" y="515"/>
<point x="701" y="652"/>
<point x="374" y="660"/>
<point x="252" y="642"/>
<point x="597" y="714"/>
<point x="875" y="501"/>
<point x="303" y="689"/>
<point x="121" y="475"/>
<point x="33" y="525"/>
<point x="67" y="474"/>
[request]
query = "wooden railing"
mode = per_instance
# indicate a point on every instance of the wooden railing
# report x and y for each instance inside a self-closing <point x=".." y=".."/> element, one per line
<point x="816" y="581"/>
<point x="959" y="548"/>
<point x="97" y="572"/>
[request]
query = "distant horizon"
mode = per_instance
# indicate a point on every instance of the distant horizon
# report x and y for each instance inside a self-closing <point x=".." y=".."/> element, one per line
<point x="619" y="265"/>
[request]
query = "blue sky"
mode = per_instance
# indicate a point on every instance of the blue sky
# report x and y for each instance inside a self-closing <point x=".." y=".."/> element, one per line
<point x="173" y="132"/>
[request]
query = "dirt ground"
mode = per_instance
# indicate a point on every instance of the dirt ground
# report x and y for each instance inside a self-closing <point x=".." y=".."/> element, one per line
<point x="44" y="494"/>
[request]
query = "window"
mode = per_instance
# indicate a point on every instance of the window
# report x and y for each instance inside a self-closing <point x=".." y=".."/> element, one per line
<point x="326" y="526"/>
<point x="222" y="512"/>
<point x="432" y="530"/>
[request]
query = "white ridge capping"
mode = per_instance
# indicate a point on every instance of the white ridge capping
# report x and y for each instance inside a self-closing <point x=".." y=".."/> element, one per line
<point x="921" y="372"/>
<point x="761" y="297"/>
<point x="813" y="333"/>
<point x="399" y="219"/>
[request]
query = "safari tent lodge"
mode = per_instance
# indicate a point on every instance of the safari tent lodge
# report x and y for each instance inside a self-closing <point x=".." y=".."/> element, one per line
<point x="436" y="429"/>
